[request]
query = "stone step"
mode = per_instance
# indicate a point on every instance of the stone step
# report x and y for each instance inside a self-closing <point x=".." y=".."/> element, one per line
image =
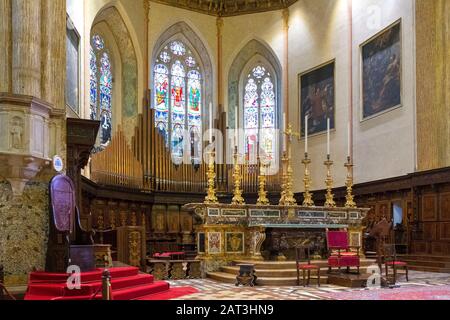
<point x="277" y="265"/>
<point x="425" y="258"/>
<point x="435" y="264"/>
<point x="429" y="269"/>
<point x="264" y="281"/>
<point x="281" y="273"/>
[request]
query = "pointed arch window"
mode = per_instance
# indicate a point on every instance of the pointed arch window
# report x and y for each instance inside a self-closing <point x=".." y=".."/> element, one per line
<point x="259" y="112"/>
<point x="101" y="88"/>
<point x="178" y="96"/>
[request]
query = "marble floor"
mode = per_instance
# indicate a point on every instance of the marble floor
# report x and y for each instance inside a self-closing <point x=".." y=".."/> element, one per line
<point x="213" y="290"/>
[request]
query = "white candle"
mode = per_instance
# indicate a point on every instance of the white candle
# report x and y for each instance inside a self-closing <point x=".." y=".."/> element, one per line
<point x="236" y="127"/>
<point x="285" y="128"/>
<point x="210" y="122"/>
<point x="328" y="136"/>
<point x="349" y="152"/>
<point x="306" y="134"/>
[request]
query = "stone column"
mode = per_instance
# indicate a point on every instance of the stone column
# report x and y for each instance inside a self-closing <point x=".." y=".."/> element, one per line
<point x="5" y="47"/>
<point x="54" y="52"/>
<point x="26" y="47"/>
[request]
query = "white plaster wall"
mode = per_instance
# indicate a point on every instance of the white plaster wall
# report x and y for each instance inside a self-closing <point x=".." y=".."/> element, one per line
<point x="385" y="146"/>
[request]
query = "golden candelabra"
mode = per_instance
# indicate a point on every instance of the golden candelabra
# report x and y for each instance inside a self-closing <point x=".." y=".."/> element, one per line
<point x="287" y="194"/>
<point x="237" y="179"/>
<point x="350" y="203"/>
<point x="329" y="203"/>
<point x="307" y="195"/>
<point x="262" y="193"/>
<point x="211" y="197"/>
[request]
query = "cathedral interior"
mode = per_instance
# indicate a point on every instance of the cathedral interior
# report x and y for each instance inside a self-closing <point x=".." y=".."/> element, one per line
<point x="214" y="149"/>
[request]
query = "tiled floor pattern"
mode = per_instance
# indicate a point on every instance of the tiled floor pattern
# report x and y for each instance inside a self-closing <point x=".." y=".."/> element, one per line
<point x="213" y="290"/>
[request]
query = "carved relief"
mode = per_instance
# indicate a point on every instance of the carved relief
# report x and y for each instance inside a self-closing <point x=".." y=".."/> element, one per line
<point x="134" y="242"/>
<point x="16" y="131"/>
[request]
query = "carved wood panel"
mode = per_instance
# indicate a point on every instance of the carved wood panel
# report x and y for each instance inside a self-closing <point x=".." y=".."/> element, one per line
<point x="173" y="219"/>
<point x="429" y="206"/>
<point x="445" y="231"/>
<point x="444" y="206"/>
<point x="429" y="231"/>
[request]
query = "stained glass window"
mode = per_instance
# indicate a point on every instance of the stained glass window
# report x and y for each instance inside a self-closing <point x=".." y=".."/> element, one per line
<point x="260" y="112"/>
<point x="101" y="86"/>
<point x="177" y="100"/>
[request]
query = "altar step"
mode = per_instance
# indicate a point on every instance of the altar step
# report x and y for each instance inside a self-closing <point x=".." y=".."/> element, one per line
<point x="277" y="273"/>
<point x="427" y="263"/>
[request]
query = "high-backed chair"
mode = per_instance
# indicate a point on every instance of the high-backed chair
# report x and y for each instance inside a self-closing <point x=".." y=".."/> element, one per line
<point x="303" y="263"/>
<point x="340" y="254"/>
<point x="390" y="260"/>
<point x="69" y="243"/>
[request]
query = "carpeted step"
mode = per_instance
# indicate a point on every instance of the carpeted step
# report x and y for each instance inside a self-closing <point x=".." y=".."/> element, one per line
<point x="140" y="291"/>
<point x="172" y="293"/>
<point x="91" y="276"/>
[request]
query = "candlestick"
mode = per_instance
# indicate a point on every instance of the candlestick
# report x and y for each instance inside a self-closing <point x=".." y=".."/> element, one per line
<point x="328" y="136"/>
<point x="211" y="197"/>
<point x="262" y="193"/>
<point x="329" y="203"/>
<point x="307" y="195"/>
<point x="306" y="134"/>
<point x="237" y="178"/>
<point x="285" y="138"/>
<point x="350" y="203"/>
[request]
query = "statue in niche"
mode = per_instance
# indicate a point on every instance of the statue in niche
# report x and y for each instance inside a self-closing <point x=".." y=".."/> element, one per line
<point x="16" y="133"/>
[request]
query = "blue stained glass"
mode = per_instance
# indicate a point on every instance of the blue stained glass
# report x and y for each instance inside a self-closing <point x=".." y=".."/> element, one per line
<point x="101" y="86"/>
<point x="178" y="99"/>
<point x="260" y="112"/>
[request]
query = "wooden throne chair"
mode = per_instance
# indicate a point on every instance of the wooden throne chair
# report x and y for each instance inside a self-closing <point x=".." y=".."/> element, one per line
<point x="340" y="254"/>
<point x="69" y="244"/>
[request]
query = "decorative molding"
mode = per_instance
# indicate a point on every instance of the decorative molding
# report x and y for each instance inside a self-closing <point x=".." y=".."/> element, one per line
<point x="227" y="8"/>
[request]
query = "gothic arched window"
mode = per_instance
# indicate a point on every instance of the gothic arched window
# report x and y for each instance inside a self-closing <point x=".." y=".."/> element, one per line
<point x="101" y="86"/>
<point x="178" y="92"/>
<point x="259" y="112"/>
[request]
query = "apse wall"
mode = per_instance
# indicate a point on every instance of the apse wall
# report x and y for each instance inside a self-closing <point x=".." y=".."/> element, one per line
<point x="319" y="32"/>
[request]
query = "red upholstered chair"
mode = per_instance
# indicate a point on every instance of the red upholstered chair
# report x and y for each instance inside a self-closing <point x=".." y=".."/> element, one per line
<point x="339" y="251"/>
<point x="303" y="255"/>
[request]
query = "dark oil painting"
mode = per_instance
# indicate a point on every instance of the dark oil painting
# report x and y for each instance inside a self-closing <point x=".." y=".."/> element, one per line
<point x="317" y="99"/>
<point x="381" y="68"/>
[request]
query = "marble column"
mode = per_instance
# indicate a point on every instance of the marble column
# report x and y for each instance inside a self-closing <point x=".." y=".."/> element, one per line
<point x="26" y="47"/>
<point x="5" y="47"/>
<point x="54" y="52"/>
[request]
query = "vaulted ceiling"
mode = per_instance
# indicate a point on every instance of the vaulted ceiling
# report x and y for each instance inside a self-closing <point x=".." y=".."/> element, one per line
<point x="225" y="8"/>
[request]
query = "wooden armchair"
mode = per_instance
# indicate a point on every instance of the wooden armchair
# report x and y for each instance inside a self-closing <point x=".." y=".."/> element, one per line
<point x="302" y="254"/>
<point x="340" y="254"/>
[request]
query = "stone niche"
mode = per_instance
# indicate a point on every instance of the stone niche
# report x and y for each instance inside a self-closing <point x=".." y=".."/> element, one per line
<point x="24" y="139"/>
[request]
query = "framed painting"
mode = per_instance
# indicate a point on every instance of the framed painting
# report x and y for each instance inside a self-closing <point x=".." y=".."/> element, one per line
<point x="317" y="98"/>
<point x="214" y="242"/>
<point x="381" y="61"/>
<point x="235" y="242"/>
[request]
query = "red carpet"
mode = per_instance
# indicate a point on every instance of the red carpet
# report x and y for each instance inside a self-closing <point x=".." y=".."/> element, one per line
<point x="127" y="284"/>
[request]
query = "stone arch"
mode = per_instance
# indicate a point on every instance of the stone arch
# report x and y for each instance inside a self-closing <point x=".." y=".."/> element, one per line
<point x="128" y="79"/>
